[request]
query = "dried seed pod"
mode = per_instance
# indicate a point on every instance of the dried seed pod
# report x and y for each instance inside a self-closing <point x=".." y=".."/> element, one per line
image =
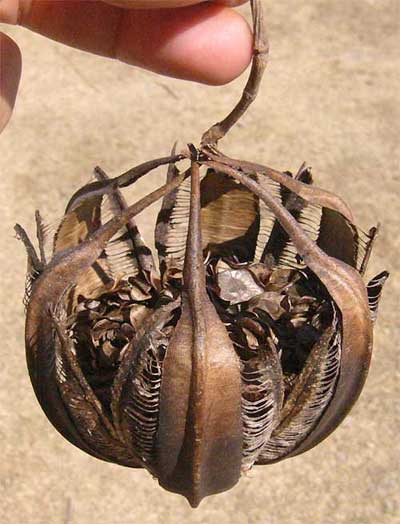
<point x="248" y="344"/>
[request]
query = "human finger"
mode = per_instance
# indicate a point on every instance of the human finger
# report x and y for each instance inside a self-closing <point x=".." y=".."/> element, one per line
<point x="206" y="42"/>
<point x="157" y="4"/>
<point x="10" y="74"/>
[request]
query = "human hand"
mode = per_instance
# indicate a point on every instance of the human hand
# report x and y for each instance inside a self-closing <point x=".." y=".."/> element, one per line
<point x="207" y="42"/>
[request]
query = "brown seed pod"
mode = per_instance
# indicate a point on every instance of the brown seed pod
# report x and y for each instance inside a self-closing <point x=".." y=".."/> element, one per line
<point x="248" y="344"/>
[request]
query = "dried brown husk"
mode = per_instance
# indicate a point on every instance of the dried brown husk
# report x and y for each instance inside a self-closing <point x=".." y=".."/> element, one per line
<point x="247" y="343"/>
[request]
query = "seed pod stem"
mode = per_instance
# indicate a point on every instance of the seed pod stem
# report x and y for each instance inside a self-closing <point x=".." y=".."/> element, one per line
<point x="259" y="63"/>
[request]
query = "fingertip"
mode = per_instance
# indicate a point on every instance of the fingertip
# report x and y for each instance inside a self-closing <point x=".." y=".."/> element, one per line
<point x="231" y="3"/>
<point x="205" y="43"/>
<point x="225" y="55"/>
<point x="10" y="74"/>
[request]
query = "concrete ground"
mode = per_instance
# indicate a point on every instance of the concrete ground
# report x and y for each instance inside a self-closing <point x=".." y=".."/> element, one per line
<point x="331" y="96"/>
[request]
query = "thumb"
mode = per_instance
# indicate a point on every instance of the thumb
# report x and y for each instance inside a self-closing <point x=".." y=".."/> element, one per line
<point x="10" y="74"/>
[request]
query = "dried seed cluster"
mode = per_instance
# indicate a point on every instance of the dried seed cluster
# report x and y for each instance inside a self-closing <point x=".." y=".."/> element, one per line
<point x="247" y="343"/>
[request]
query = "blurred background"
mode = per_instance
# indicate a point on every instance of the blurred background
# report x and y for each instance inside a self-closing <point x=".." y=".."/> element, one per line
<point x="331" y="96"/>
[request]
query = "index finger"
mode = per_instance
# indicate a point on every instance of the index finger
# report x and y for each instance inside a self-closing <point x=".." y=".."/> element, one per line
<point x="157" y="4"/>
<point x="206" y="43"/>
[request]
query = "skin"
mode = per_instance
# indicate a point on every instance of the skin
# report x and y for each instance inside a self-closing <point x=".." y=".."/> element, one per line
<point x="202" y="42"/>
